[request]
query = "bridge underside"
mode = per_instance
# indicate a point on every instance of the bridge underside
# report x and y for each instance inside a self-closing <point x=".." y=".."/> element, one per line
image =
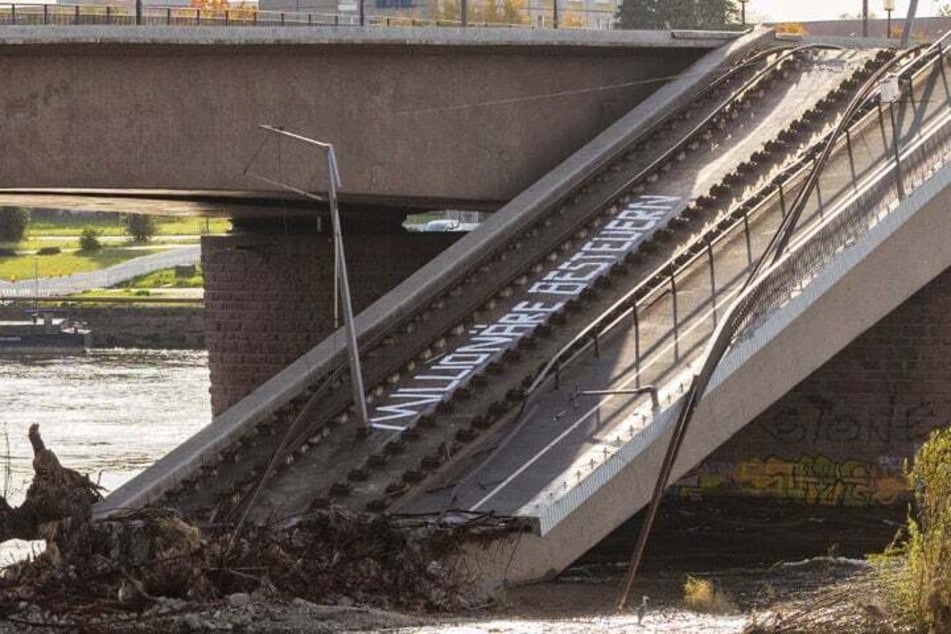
<point x="105" y="117"/>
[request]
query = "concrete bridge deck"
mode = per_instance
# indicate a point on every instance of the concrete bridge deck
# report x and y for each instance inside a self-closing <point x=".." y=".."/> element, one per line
<point x="576" y="471"/>
<point x="421" y="118"/>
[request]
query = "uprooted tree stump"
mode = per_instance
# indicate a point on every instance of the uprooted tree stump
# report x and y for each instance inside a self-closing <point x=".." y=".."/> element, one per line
<point x="56" y="493"/>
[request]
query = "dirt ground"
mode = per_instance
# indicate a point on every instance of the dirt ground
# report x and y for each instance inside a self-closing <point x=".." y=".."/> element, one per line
<point x="791" y="567"/>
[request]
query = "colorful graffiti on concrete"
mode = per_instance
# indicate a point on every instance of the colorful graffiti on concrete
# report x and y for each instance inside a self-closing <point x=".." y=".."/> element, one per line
<point x="808" y="479"/>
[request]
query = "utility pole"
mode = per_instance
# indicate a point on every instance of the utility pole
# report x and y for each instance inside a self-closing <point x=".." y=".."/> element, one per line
<point x="340" y="262"/>
<point x="909" y="22"/>
<point x="864" y="18"/>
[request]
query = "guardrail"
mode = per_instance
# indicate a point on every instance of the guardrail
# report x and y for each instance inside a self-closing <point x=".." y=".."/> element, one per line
<point x="387" y="13"/>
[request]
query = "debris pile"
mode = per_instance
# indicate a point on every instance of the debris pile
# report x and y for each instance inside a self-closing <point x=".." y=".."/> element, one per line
<point x="154" y="558"/>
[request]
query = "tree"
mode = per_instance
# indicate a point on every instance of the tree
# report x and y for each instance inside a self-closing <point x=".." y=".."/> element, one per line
<point x="89" y="240"/>
<point x="944" y="9"/>
<point x="676" y="14"/>
<point x="13" y="223"/>
<point x="139" y="227"/>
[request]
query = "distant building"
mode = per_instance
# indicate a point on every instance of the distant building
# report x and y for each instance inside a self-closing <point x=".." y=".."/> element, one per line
<point x="591" y="14"/>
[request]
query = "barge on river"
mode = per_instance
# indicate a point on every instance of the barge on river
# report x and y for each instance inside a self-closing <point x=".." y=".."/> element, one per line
<point x="49" y="335"/>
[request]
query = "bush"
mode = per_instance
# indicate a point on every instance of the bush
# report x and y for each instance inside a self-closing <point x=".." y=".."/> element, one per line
<point x="700" y="595"/>
<point x="13" y="223"/>
<point x="920" y="585"/>
<point x="49" y="251"/>
<point x="140" y="228"/>
<point x="89" y="240"/>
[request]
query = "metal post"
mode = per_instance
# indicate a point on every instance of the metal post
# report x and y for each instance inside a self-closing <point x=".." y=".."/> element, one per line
<point x="888" y="23"/>
<point x="554" y="14"/>
<point x="340" y="262"/>
<point x="895" y="135"/>
<point x="168" y="16"/>
<point x="749" y="243"/>
<point x="108" y="14"/>
<point x="362" y="13"/>
<point x="46" y="14"/>
<point x="713" y="283"/>
<point x="909" y="23"/>
<point x="464" y="12"/>
<point x="356" y="374"/>
<point x="637" y="344"/>
<point x="673" y="295"/>
<point x="138" y="12"/>
<point x="864" y="18"/>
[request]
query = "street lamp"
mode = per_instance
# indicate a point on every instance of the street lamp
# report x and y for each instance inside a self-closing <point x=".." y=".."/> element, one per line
<point x="864" y="18"/>
<point x="889" y="7"/>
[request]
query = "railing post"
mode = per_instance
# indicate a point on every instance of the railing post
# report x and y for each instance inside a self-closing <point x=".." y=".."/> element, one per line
<point x="749" y="244"/>
<point x="197" y="16"/>
<point x="637" y="344"/>
<point x="362" y="14"/>
<point x="13" y="14"/>
<point x="138" y="12"/>
<point x="168" y="16"/>
<point x="713" y="282"/>
<point x="554" y="14"/>
<point x="46" y="14"/>
<point x="76" y="16"/>
<point x="464" y="12"/>
<point x="108" y="14"/>
<point x="673" y="296"/>
<point x="895" y="138"/>
<point x="227" y="17"/>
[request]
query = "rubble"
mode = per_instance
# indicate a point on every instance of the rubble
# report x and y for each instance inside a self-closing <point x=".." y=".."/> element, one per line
<point x="153" y="564"/>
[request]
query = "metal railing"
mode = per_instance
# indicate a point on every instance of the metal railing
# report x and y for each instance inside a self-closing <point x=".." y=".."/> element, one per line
<point x="478" y="13"/>
<point x="793" y="266"/>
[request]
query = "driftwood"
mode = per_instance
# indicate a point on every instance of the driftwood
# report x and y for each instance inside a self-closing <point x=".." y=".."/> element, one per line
<point x="56" y="493"/>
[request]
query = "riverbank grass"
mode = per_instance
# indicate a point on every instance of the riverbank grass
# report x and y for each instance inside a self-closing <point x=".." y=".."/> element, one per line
<point x="916" y="570"/>
<point x="20" y="267"/>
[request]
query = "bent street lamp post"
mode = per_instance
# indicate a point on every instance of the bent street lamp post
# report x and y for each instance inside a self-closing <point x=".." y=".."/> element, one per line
<point x="340" y="263"/>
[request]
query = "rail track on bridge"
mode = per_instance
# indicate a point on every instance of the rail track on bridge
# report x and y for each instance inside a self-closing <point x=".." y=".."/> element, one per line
<point x="450" y="373"/>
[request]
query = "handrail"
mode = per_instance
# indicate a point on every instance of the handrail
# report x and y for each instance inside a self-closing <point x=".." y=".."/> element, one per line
<point x="781" y="238"/>
<point x="668" y="269"/>
<point x="717" y="346"/>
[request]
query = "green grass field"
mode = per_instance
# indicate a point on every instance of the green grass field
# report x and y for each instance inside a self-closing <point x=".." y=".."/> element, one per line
<point x="166" y="278"/>
<point x="73" y="224"/>
<point x="22" y="267"/>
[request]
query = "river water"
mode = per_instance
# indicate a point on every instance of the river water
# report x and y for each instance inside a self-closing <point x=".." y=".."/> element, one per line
<point x="108" y="414"/>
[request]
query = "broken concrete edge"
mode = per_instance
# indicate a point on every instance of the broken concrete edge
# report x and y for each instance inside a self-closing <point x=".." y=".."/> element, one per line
<point x="730" y="403"/>
<point x="357" y="36"/>
<point x="428" y="282"/>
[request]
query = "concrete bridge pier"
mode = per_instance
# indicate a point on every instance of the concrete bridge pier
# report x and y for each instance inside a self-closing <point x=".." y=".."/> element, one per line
<point x="269" y="294"/>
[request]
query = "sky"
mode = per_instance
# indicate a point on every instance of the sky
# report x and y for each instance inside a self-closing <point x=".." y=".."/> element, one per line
<point x="802" y="10"/>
